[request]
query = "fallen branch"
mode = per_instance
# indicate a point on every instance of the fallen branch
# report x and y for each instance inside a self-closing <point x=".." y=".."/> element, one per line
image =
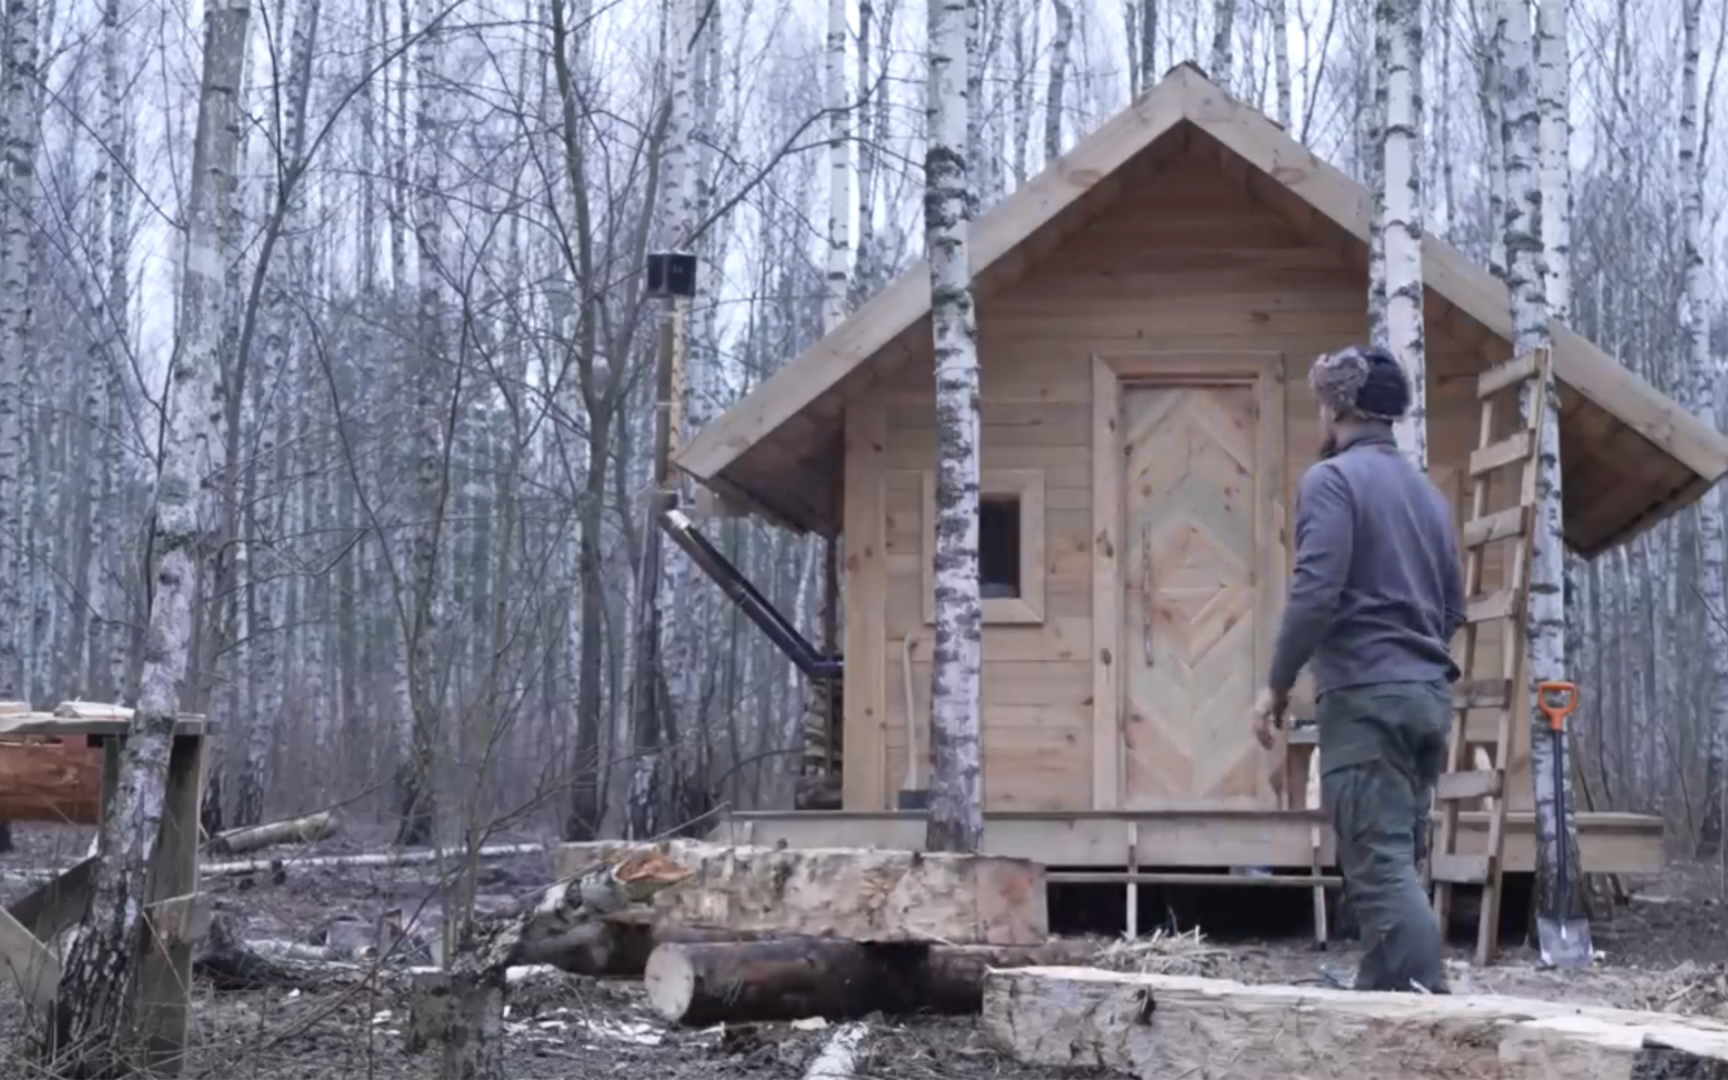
<point x="385" y="858"/>
<point x="839" y="1057"/>
<point x="300" y="830"/>
<point x="1170" y="1025"/>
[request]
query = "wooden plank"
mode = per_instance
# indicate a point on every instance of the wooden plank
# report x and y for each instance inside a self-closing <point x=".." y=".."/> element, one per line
<point x="854" y="893"/>
<point x="26" y="963"/>
<point x="1612" y="843"/>
<point x="1178" y="1026"/>
<point x="1480" y="693"/>
<point x="1512" y="450"/>
<point x="1458" y="869"/>
<point x="162" y="1005"/>
<point x="864" y="781"/>
<point x="1260" y="881"/>
<point x="1500" y="376"/>
<point x="1474" y="784"/>
<point x="1500" y="525"/>
<point x="1106" y="587"/>
<point x="46" y="778"/>
<point x="1500" y="604"/>
<point x="56" y="904"/>
<point x="99" y="721"/>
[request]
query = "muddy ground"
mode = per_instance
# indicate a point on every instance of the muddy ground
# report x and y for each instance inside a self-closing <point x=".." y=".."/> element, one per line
<point x="1666" y="950"/>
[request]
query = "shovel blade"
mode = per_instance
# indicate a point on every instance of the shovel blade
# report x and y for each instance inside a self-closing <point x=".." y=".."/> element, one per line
<point x="1565" y="943"/>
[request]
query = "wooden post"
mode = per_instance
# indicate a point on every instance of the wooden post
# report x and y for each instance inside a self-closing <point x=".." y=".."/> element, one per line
<point x="164" y="981"/>
<point x="1133" y="921"/>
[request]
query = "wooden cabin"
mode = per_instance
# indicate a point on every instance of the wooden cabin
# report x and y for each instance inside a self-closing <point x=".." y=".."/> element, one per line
<point x="1148" y="307"/>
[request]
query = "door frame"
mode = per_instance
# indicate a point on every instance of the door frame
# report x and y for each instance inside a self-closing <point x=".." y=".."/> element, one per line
<point x="1264" y="371"/>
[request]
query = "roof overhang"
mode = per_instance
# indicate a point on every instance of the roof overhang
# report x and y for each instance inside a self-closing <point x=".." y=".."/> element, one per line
<point x="1638" y="416"/>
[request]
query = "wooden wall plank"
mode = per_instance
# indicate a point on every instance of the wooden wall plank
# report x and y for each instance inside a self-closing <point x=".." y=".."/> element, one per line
<point x="864" y="783"/>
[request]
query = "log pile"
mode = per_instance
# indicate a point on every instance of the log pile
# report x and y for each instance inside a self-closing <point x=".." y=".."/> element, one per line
<point x="1167" y="1025"/>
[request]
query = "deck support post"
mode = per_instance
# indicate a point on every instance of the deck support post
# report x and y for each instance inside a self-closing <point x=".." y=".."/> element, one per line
<point x="1133" y="920"/>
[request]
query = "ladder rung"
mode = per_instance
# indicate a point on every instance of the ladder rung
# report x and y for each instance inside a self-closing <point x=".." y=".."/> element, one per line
<point x="1504" y="374"/>
<point x="1481" y="693"/>
<point x="1500" y="525"/>
<point x="1460" y="869"/>
<point x="1508" y="451"/>
<point x="1472" y="784"/>
<point x="1489" y="606"/>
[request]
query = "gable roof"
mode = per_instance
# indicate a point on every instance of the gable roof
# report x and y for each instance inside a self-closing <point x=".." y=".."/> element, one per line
<point x="1631" y="455"/>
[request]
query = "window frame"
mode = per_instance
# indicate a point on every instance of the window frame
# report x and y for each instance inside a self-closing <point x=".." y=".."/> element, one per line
<point x="1027" y="487"/>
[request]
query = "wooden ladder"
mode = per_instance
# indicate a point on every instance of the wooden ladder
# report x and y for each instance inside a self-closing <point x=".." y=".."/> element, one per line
<point x="1485" y="777"/>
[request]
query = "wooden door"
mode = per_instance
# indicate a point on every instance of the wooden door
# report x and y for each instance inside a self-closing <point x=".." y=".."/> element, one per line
<point x="1191" y="581"/>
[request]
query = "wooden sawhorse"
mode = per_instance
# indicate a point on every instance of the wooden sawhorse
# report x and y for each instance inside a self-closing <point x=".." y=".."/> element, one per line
<point x="159" y="1010"/>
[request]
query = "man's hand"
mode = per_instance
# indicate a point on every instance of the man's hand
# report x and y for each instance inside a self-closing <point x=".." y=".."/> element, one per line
<point x="1269" y="713"/>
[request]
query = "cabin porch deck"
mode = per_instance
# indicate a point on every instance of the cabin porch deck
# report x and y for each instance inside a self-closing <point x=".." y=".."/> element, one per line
<point x="1611" y="842"/>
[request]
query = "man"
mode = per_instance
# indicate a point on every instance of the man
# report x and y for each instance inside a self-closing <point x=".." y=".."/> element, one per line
<point x="1376" y="597"/>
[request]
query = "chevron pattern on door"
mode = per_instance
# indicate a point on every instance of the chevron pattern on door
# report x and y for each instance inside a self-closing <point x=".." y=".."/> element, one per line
<point x="1190" y="583"/>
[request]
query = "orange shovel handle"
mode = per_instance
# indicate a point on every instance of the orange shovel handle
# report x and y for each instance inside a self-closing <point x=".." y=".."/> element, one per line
<point x="1557" y="713"/>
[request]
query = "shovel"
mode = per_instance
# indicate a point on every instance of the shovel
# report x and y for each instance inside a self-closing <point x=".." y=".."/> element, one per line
<point x="1565" y="941"/>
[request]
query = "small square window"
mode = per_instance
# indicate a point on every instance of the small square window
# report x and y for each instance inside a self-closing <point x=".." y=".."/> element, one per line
<point x="1010" y="545"/>
<point x="999" y="547"/>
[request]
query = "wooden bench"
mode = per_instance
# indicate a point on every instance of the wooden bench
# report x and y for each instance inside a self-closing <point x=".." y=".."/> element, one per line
<point x="176" y="920"/>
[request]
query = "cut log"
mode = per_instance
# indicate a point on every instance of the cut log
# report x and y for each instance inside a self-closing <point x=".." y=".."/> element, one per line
<point x="300" y="830"/>
<point x="1166" y="1025"/>
<point x="853" y="893"/>
<point x="611" y="947"/>
<point x="48" y="779"/>
<point x="742" y="982"/>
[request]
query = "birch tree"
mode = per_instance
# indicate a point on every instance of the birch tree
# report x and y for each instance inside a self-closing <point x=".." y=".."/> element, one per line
<point x="1401" y="210"/>
<point x="19" y="123"/>
<point x="839" y="171"/>
<point x="1056" y="100"/>
<point x="1695" y="329"/>
<point x="1281" y="59"/>
<point x="1525" y="277"/>
<point x="956" y="816"/>
<point x="85" y="1026"/>
<point x="1223" y="41"/>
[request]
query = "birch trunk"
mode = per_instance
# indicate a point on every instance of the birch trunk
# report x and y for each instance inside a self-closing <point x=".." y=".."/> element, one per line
<point x="839" y="171"/>
<point x="1695" y="326"/>
<point x="1223" y="34"/>
<point x="866" y="153"/>
<point x="415" y="786"/>
<point x="1055" y="102"/>
<point x="1401" y="209"/>
<point x="956" y="817"/>
<point x="1490" y="15"/>
<point x="99" y="969"/>
<point x="1546" y="616"/>
<point x="1281" y="59"/>
<point x="1372" y="140"/>
<point x="1148" y="60"/>
<point x="18" y="129"/>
